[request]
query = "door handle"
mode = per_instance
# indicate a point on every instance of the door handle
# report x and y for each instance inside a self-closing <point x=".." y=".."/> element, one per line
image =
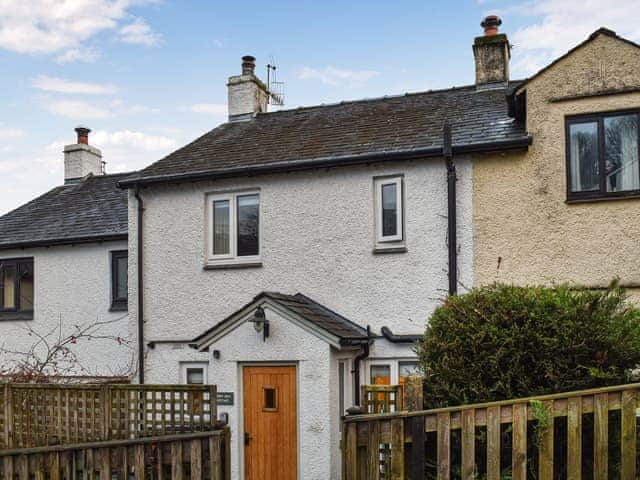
<point x="247" y="438"/>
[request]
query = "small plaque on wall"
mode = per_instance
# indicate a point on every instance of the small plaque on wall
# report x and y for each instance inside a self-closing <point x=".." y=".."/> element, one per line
<point x="225" y="398"/>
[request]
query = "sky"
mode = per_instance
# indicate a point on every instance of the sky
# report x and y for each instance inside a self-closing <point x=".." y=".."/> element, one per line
<point x="148" y="76"/>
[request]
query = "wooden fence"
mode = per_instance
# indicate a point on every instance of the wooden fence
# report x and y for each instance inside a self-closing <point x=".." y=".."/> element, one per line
<point x="595" y="437"/>
<point x="37" y="415"/>
<point x="190" y="456"/>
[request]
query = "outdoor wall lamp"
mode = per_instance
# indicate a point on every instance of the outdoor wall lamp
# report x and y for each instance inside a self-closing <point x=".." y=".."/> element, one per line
<point x="260" y="323"/>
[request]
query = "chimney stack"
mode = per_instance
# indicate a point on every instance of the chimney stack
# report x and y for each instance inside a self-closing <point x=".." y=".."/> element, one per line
<point x="248" y="95"/>
<point x="81" y="159"/>
<point x="492" y="53"/>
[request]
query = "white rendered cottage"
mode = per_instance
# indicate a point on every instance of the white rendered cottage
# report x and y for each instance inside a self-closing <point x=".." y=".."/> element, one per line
<point x="63" y="273"/>
<point x="290" y="257"/>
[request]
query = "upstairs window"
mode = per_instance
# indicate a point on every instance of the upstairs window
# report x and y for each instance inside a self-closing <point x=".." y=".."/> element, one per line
<point x="119" y="280"/>
<point x="602" y="156"/>
<point x="16" y="288"/>
<point x="234" y="227"/>
<point x="389" y="209"/>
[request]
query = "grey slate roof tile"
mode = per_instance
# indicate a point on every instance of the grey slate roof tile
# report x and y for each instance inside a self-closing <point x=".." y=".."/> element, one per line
<point x="94" y="208"/>
<point x="301" y="305"/>
<point x="389" y="124"/>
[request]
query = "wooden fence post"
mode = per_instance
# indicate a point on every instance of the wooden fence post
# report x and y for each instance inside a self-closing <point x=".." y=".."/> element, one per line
<point x="213" y="404"/>
<point x="8" y="415"/>
<point x="413" y="394"/>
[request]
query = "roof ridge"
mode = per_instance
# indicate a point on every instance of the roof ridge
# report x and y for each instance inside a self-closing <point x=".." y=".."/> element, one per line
<point x="331" y="312"/>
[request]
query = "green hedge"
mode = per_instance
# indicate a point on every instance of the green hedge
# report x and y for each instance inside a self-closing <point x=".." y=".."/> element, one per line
<point x="503" y="341"/>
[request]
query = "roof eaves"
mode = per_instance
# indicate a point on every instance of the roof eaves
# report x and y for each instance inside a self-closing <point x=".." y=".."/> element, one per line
<point x="51" y="242"/>
<point x="322" y="162"/>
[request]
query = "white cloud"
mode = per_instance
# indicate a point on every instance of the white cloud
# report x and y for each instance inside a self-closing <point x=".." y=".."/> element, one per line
<point x="31" y="172"/>
<point x="61" y="85"/>
<point x="52" y="26"/>
<point x="77" y="55"/>
<point x="565" y="23"/>
<point x="139" y="32"/>
<point x="206" y="108"/>
<point x="77" y="109"/>
<point x="336" y="76"/>
<point x="7" y="133"/>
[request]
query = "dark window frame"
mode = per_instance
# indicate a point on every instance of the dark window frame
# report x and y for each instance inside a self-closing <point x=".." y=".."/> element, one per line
<point x="118" y="303"/>
<point x="601" y="193"/>
<point x="16" y="313"/>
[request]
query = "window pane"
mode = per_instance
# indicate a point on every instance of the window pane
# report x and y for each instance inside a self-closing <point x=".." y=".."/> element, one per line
<point x="8" y="286"/>
<point x="221" y="227"/>
<point x="26" y="286"/>
<point x="621" y="153"/>
<point x="584" y="156"/>
<point x="389" y="210"/>
<point x="406" y="370"/>
<point x="380" y="375"/>
<point x="122" y="290"/>
<point x="248" y="225"/>
<point x="195" y="376"/>
<point x="270" y="398"/>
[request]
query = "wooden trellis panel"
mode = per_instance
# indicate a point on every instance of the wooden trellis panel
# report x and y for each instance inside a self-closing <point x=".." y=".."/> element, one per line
<point x="39" y="415"/>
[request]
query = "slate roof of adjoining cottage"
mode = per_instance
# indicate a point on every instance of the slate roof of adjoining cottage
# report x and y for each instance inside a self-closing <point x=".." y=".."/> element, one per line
<point x="340" y="133"/>
<point x="94" y="209"/>
<point x="304" y="307"/>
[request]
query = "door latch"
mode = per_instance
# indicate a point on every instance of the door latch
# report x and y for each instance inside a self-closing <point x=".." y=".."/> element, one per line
<point x="247" y="438"/>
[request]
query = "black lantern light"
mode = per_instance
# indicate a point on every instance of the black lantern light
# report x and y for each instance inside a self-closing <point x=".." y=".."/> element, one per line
<point x="260" y="323"/>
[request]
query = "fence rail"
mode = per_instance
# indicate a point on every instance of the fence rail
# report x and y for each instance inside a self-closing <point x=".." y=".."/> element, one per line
<point x="381" y="398"/>
<point x="191" y="456"/>
<point x="37" y="415"/>
<point x="595" y="424"/>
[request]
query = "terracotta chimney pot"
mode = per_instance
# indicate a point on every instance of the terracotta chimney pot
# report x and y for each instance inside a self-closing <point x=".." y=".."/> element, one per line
<point x="491" y="24"/>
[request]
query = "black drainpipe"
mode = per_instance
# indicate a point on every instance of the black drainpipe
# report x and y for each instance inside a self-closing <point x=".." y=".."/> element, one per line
<point x="356" y="367"/>
<point x="140" y="290"/>
<point x="447" y="152"/>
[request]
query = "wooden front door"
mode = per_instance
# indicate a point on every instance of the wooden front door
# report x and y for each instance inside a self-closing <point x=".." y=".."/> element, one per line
<point x="270" y="423"/>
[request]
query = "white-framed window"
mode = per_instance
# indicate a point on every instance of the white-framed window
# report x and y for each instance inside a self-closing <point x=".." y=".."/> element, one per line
<point x="234" y="227"/>
<point x="389" y="209"/>
<point x="193" y="373"/>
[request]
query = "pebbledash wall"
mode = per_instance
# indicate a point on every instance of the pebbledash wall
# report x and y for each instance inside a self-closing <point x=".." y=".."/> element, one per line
<point x="524" y="230"/>
<point x="73" y="286"/>
<point x="317" y="239"/>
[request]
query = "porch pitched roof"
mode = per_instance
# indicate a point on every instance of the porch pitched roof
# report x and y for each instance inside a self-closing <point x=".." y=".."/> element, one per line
<point x="318" y="316"/>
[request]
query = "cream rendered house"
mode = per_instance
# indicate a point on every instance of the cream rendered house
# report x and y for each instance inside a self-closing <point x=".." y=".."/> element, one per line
<point x="567" y="209"/>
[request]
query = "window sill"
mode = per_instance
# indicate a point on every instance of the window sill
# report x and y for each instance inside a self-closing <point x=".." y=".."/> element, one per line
<point x="119" y="307"/>
<point x="380" y="250"/>
<point x="15" y="316"/>
<point x="232" y="265"/>
<point x="604" y="198"/>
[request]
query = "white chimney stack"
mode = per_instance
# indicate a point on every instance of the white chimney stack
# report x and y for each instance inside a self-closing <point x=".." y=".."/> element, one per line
<point x="248" y="95"/>
<point x="81" y="159"/>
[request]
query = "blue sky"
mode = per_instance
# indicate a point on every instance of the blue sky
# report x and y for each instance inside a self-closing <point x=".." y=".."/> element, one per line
<point x="148" y="76"/>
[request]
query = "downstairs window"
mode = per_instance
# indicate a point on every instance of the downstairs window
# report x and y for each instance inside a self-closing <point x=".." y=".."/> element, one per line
<point x="16" y="289"/>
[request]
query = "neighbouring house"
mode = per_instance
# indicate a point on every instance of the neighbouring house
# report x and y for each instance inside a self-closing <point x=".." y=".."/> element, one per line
<point x="63" y="269"/>
<point x="566" y="210"/>
<point x="290" y="257"/>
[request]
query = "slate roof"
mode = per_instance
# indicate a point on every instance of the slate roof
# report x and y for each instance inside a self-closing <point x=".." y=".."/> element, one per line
<point x="342" y="133"/>
<point x="93" y="209"/>
<point x="305" y="307"/>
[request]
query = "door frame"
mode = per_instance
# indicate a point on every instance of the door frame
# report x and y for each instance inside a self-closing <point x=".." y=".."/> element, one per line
<point x="240" y="435"/>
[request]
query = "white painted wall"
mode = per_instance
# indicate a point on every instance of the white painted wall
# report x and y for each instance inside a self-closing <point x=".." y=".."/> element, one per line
<point x="318" y="233"/>
<point x="73" y="286"/>
<point x="291" y="344"/>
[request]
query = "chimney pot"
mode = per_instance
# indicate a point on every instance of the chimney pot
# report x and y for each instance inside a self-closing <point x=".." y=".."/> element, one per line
<point x="491" y="24"/>
<point x="83" y="135"/>
<point x="248" y="65"/>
